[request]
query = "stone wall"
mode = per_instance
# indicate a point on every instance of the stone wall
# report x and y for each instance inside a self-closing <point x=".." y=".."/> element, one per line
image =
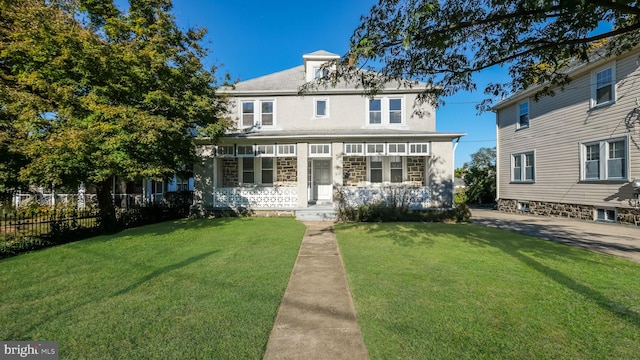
<point x="286" y="170"/>
<point x="415" y="169"/>
<point x="572" y="211"/>
<point x="230" y="172"/>
<point x="356" y="167"/>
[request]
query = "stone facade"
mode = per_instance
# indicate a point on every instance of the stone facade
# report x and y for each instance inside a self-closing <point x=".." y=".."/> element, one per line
<point x="572" y="211"/>
<point x="287" y="170"/>
<point x="230" y="172"/>
<point x="415" y="170"/>
<point x="356" y="168"/>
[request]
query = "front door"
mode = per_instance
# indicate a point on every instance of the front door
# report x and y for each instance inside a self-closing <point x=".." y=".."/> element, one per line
<point x="322" y="187"/>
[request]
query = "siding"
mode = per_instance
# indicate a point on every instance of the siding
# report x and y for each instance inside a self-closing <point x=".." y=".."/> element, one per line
<point x="558" y="125"/>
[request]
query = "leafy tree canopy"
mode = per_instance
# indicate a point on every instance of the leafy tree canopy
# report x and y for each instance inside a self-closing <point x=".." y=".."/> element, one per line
<point x="480" y="176"/>
<point x="88" y="91"/>
<point x="444" y="42"/>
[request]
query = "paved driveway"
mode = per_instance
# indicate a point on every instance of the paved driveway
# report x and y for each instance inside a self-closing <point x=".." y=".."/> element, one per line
<point x="613" y="239"/>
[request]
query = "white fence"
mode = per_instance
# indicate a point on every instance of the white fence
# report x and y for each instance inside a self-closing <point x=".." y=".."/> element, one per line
<point x="258" y="197"/>
<point x="416" y="198"/>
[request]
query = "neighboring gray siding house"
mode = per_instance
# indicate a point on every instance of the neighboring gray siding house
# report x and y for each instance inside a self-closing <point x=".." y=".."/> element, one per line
<point x="289" y="152"/>
<point x="577" y="153"/>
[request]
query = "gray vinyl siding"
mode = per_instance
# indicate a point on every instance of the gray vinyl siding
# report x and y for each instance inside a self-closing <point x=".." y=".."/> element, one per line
<point x="558" y="126"/>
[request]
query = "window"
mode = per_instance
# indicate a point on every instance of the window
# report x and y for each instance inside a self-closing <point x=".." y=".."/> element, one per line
<point x="604" y="160"/>
<point x="419" y="149"/>
<point x="375" y="149"/>
<point x="603" y="87"/>
<point x="523" y="206"/>
<point x="258" y="113"/>
<point x="267" y="113"/>
<point x="320" y="72"/>
<point x="522" y="168"/>
<point x="321" y="108"/>
<point x="247" y="114"/>
<point x="385" y="111"/>
<point x="354" y="149"/>
<point x="245" y="150"/>
<point x="395" y="111"/>
<point x="375" y="111"/>
<point x="267" y="170"/>
<point x="224" y="150"/>
<point x="266" y="150"/>
<point x="608" y="215"/>
<point x="248" y="174"/>
<point x="386" y="169"/>
<point x="395" y="169"/>
<point x="320" y="150"/>
<point x="182" y="184"/>
<point x="523" y="117"/>
<point x="397" y="149"/>
<point x="287" y="150"/>
<point x="375" y="169"/>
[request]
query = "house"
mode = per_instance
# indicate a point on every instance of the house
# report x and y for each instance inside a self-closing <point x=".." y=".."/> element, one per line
<point x="288" y="152"/>
<point x="575" y="154"/>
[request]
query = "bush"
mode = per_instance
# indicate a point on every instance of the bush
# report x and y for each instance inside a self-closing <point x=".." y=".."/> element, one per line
<point x="381" y="211"/>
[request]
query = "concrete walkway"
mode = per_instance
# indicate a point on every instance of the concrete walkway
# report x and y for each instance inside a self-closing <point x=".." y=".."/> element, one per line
<point x="613" y="239"/>
<point x="317" y="319"/>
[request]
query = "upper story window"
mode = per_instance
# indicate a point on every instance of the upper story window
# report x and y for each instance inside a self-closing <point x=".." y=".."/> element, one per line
<point x="319" y="72"/>
<point x="258" y="113"/>
<point x="321" y="108"/>
<point x="523" y="115"/>
<point x="522" y="167"/>
<point x="604" y="160"/>
<point x="385" y="111"/>
<point x="603" y="89"/>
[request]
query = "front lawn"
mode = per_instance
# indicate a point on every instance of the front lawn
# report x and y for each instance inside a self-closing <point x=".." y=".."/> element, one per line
<point x="192" y="289"/>
<point x="446" y="291"/>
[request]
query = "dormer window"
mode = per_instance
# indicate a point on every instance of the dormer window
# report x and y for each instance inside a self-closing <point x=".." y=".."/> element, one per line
<point x="319" y="72"/>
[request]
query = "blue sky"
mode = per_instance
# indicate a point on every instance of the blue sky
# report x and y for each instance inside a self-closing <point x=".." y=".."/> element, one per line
<point x="252" y="38"/>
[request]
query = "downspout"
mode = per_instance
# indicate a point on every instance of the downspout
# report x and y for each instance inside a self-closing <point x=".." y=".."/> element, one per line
<point x="453" y="170"/>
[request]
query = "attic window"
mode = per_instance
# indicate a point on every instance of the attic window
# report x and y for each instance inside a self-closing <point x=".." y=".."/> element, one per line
<point x="319" y="72"/>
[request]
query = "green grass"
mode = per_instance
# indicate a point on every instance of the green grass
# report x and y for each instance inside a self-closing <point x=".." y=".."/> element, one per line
<point x="446" y="291"/>
<point x="206" y="289"/>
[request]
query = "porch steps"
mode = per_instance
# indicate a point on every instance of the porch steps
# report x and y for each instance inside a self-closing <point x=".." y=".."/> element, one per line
<point x="317" y="213"/>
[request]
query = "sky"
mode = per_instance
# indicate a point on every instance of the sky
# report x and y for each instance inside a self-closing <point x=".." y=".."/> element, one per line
<point x="251" y="38"/>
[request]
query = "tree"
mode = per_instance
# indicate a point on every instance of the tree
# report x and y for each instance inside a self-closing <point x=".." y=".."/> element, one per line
<point x="93" y="92"/>
<point x="444" y="42"/>
<point x="480" y="176"/>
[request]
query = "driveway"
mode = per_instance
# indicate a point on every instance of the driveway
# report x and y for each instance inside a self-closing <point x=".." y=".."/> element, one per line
<point x="614" y="239"/>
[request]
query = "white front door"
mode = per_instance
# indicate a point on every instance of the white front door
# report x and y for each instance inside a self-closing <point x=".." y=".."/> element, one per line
<point x="322" y="186"/>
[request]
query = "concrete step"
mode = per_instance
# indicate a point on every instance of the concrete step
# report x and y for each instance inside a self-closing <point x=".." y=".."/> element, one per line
<point x="317" y="215"/>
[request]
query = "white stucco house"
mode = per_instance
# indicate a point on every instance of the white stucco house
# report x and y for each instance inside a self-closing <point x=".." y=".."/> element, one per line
<point x="288" y="153"/>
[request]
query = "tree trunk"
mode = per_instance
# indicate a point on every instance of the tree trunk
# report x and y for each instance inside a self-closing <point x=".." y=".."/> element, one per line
<point x="107" y="210"/>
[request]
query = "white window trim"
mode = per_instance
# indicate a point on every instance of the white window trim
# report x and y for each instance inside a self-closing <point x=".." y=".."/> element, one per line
<point x="606" y="210"/>
<point x="317" y="154"/>
<point x="518" y="125"/>
<point x="253" y="153"/>
<point x="226" y="153"/>
<point x="385" y="109"/>
<point x="257" y="172"/>
<point x="523" y="167"/>
<point x="315" y="108"/>
<point x="419" y="152"/>
<point x="354" y="153"/>
<point x="257" y="113"/>
<point x="386" y="170"/>
<point x="405" y="152"/>
<point x="594" y="84"/>
<point x="270" y="150"/>
<point x="280" y="148"/>
<point x="375" y="153"/>
<point x="603" y="170"/>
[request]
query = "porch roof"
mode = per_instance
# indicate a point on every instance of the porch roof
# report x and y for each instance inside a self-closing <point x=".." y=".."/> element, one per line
<point x="345" y="134"/>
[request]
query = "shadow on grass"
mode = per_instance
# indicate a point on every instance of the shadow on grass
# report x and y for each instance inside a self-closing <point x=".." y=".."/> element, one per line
<point x="521" y="247"/>
<point x="98" y="297"/>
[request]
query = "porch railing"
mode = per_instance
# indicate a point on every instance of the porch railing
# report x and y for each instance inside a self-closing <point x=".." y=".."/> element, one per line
<point x="258" y="197"/>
